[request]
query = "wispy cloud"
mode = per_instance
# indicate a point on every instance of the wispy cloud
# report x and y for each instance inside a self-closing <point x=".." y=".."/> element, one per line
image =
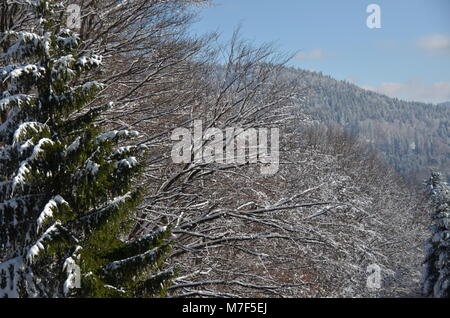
<point x="414" y="90"/>
<point x="435" y="44"/>
<point x="315" y="54"/>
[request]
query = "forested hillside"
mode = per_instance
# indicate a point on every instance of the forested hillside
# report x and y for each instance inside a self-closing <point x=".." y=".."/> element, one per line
<point x="93" y="204"/>
<point x="413" y="136"/>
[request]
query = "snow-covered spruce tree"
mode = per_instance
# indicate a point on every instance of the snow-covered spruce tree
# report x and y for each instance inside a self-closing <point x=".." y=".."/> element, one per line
<point x="67" y="194"/>
<point x="436" y="273"/>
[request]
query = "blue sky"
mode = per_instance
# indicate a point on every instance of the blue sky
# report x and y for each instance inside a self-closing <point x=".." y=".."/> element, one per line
<point x="408" y="57"/>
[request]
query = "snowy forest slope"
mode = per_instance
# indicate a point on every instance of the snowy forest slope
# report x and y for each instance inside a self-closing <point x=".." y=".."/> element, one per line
<point x="413" y="136"/>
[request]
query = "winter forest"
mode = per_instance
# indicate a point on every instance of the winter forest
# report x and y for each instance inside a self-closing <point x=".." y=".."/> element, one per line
<point x="92" y="203"/>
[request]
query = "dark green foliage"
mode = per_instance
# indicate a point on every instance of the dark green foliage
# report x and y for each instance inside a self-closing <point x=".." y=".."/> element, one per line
<point x="436" y="273"/>
<point x="67" y="191"/>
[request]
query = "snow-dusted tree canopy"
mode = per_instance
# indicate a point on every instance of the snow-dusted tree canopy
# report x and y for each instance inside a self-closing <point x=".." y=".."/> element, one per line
<point x="66" y="189"/>
<point x="436" y="272"/>
<point x="83" y="113"/>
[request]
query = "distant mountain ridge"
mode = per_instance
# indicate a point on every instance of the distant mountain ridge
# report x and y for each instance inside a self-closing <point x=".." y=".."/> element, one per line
<point x="413" y="136"/>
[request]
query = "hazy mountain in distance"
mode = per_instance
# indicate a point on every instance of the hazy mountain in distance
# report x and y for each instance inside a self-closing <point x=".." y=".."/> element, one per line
<point x="413" y="136"/>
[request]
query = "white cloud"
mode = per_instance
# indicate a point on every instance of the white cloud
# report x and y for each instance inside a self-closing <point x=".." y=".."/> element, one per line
<point x="435" y="44"/>
<point x="315" y="54"/>
<point x="414" y="90"/>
